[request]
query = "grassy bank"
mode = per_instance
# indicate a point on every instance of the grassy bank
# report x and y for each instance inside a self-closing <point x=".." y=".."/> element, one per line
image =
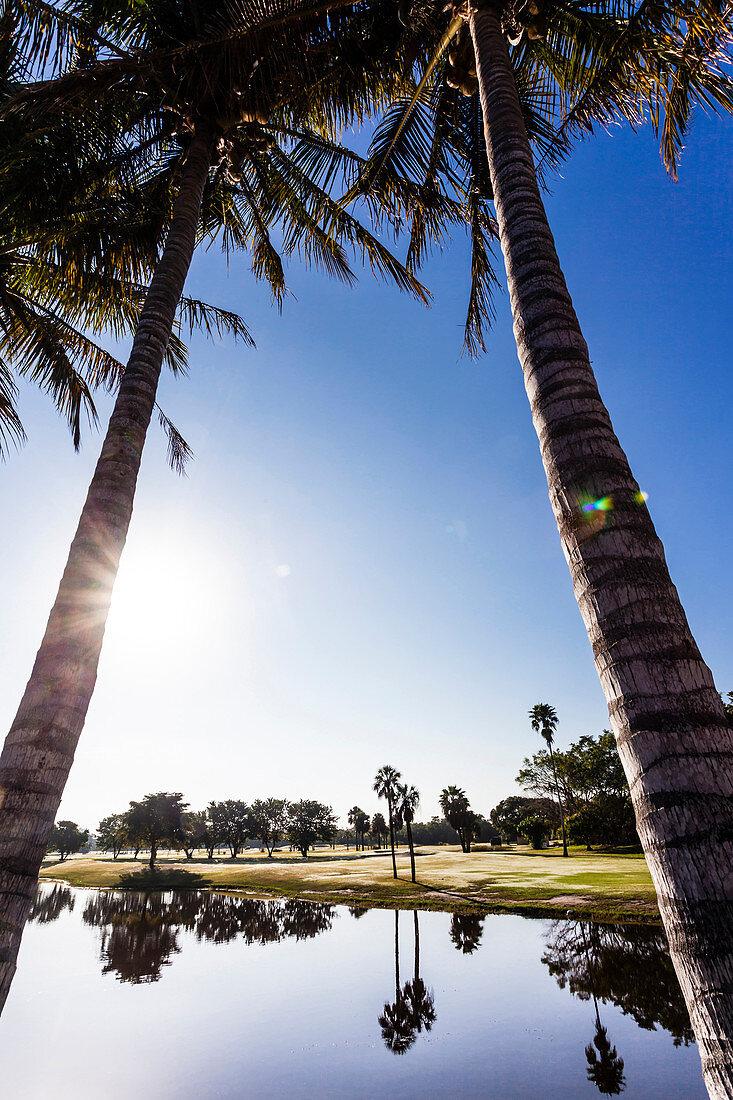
<point x="603" y="886"/>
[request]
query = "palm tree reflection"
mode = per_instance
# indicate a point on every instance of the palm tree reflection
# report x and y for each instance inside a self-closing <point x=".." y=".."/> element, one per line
<point x="466" y="932"/>
<point x="605" y="1068"/>
<point x="413" y="1007"/>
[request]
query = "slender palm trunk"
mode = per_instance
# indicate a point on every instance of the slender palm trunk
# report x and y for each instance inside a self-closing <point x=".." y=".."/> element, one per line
<point x="391" y="837"/>
<point x="40" y="747"/>
<point x="674" y="742"/>
<point x="417" y="946"/>
<point x="559" y="800"/>
<point x="412" y="849"/>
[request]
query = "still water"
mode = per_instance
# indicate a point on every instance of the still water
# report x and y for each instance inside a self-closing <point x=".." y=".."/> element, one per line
<point x="193" y="995"/>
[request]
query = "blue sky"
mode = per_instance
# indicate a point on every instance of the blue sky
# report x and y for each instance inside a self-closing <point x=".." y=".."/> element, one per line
<point x="362" y="566"/>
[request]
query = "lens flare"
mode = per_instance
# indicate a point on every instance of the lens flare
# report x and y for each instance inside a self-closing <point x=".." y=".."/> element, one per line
<point x="603" y="504"/>
<point x="641" y="497"/>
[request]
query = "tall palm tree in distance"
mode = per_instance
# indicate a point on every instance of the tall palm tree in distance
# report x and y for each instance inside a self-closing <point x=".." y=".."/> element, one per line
<point x="543" y="718"/>
<point x="387" y="785"/>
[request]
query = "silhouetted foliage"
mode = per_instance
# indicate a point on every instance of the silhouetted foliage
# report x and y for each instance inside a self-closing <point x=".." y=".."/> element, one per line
<point x="67" y="838"/>
<point x="466" y="931"/>
<point x="156" y="820"/>
<point x="140" y="930"/>
<point x="628" y="966"/>
<point x="232" y="823"/>
<point x="309" y="823"/>
<point x="270" y="820"/>
<point x="112" y="834"/>
<point x="459" y="815"/>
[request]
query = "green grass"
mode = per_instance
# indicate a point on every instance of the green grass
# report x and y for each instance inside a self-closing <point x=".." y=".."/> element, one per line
<point x="606" y="886"/>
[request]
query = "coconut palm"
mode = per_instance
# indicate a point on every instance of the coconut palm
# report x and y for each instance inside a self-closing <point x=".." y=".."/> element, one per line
<point x="408" y="800"/>
<point x="387" y="785"/>
<point x="584" y="64"/>
<point x="55" y="189"/>
<point x="543" y="719"/>
<point x="212" y="107"/>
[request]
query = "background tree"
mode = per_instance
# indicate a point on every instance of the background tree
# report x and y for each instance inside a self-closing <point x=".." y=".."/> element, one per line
<point x="359" y="820"/>
<point x="379" y="829"/>
<point x="536" y="830"/>
<point x="309" y="823"/>
<point x="157" y="820"/>
<point x="510" y="812"/>
<point x="459" y="815"/>
<point x="408" y="799"/>
<point x="543" y="719"/>
<point x="111" y="834"/>
<point x="232" y="823"/>
<point x="67" y="838"/>
<point x="270" y="817"/>
<point x="386" y="784"/>
<point x="195" y="831"/>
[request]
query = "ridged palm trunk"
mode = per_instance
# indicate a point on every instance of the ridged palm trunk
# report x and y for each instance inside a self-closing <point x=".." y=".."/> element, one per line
<point x="675" y="744"/>
<point x="391" y="837"/>
<point x="39" y="749"/>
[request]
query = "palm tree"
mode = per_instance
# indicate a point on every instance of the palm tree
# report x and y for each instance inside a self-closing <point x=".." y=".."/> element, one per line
<point x="594" y="63"/>
<point x="387" y="785"/>
<point x="543" y="719"/>
<point x="457" y="812"/>
<point x="408" y="799"/>
<point x="221" y="99"/>
<point x="356" y="817"/>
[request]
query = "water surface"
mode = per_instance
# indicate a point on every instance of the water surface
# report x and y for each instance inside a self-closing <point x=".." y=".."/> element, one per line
<point x="193" y="995"/>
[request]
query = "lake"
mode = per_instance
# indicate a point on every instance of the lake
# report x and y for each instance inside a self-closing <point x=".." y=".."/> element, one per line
<point x="196" y="995"/>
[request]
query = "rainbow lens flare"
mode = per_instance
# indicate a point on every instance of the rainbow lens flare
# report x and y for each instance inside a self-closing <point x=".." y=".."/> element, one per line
<point x="603" y="504"/>
<point x="641" y="497"/>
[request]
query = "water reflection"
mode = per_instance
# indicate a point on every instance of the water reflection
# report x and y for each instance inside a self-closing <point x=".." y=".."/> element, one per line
<point x="48" y="905"/>
<point x="413" y="1008"/>
<point x="466" y="932"/>
<point x="624" y="965"/>
<point x="140" y="931"/>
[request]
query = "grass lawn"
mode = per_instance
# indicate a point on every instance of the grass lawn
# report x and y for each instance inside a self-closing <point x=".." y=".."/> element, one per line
<point x="513" y="879"/>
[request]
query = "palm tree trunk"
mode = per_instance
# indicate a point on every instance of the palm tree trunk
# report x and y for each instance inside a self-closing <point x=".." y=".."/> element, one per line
<point x="674" y="742"/>
<point x="412" y="850"/>
<point x="417" y="945"/>
<point x="40" y="747"/>
<point x="559" y="801"/>
<point x="391" y="839"/>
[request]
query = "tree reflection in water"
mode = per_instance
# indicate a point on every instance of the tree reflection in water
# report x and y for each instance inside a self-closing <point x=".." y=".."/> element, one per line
<point x="628" y="966"/>
<point x="140" y="931"/>
<point x="624" y="965"/>
<point x="48" y="905"/>
<point x="466" y="932"/>
<point x="413" y="1007"/>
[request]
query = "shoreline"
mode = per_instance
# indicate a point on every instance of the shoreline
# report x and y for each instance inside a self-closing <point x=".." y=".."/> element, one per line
<point x="607" y="888"/>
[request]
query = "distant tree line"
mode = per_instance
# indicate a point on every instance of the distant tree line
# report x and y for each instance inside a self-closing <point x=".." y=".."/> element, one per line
<point x="164" y="820"/>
